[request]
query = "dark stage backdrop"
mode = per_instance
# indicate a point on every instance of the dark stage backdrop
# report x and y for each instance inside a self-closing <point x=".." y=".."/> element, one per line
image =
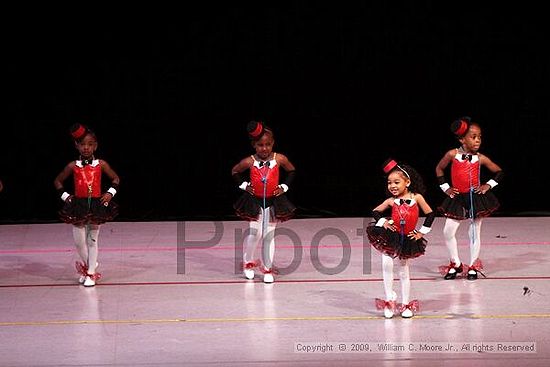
<point x="344" y="88"/>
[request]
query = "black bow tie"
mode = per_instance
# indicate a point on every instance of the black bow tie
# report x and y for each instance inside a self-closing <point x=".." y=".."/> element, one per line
<point x="404" y="201"/>
<point x="467" y="157"/>
<point x="266" y="163"/>
<point x="87" y="161"/>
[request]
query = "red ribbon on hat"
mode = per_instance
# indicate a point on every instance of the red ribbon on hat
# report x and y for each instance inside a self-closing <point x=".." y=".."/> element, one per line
<point x="78" y="133"/>
<point x="258" y="130"/>
<point x="463" y="128"/>
<point x="388" y="167"/>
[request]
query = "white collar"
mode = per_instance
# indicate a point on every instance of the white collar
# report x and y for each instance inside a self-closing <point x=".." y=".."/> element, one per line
<point x="397" y="201"/>
<point x="272" y="163"/>
<point x="458" y="157"/>
<point x="94" y="163"/>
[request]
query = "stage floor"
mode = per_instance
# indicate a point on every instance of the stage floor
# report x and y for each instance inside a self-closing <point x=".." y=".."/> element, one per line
<point x="172" y="295"/>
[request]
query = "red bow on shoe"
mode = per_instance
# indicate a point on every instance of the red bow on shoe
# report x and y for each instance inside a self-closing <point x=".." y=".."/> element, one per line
<point x="382" y="304"/>
<point x="95" y="276"/>
<point x="477" y="266"/>
<point x="413" y="305"/>
<point x="251" y="264"/>
<point x="81" y="268"/>
<point x="444" y="269"/>
<point x="272" y="270"/>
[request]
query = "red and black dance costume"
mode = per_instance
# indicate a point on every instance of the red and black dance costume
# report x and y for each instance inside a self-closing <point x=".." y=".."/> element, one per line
<point x="85" y="206"/>
<point x="465" y="176"/>
<point x="396" y="244"/>
<point x="264" y="179"/>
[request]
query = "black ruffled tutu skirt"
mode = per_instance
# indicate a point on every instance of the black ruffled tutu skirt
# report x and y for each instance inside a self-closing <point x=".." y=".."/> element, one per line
<point x="390" y="243"/>
<point x="79" y="212"/>
<point x="459" y="206"/>
<point x="248" y="207"/>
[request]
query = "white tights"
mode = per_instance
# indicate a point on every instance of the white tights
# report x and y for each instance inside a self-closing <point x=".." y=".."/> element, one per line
<point x="449" y="233"/>
<point x="387" y="272"/>
<point x="256" y="235"/>
<point x="85" y="239"/>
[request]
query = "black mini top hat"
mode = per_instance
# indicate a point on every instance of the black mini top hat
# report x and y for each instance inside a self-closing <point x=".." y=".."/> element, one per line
<point x="388" y="165"/>
<point x="78" y="131"/>
<point x="255" y="129"/>
<point x="460" y="127"/>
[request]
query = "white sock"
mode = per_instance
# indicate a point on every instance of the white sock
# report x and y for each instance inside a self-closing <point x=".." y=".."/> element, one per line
<point x="387" y="275"/>
<point x="79" y="236"/>
<point x="93" y="247"/>
<point x="449" y="234"/>
<point x="405" y="281"/>
<point x="268" y="248"/>
<point x="475" y="245"/>
<point x="255" y="229"/>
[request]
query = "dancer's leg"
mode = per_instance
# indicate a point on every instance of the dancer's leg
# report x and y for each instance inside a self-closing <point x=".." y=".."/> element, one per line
<point x="391" y="296"/>
<point x="268" y="248"/>
<point x="93" y="247"/>
<point x="405" y="289"/>
<point x="79" y="236"/>
<point x="252" y="239"/>
<point x="475" y="239"/>
<point x="404" y="276"/>
<point x="387" y="275"/>
<point x="449" y="234"/>
<point x="268" y="244"/>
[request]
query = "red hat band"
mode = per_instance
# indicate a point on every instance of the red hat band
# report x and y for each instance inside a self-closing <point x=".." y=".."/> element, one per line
<point x="257" y="131"/>
<point x="391" y="165"/>
<point x="78" y="133"/>
<point x="462" y="129"/>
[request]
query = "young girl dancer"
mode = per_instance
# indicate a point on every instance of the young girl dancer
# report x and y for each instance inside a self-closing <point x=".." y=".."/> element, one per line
<point x="88" y="207"/>
<point x="264" y="202"/>
<point x="467" y="198"/>
<point x="397" y="237"/>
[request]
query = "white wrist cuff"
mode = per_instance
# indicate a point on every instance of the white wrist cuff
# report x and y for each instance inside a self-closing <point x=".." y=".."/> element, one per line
<point x="243" y="185"/>
<point x="381" y="222"/>
<point x="111" y="191"/>
<point x="492" y="183"/>
<point x="425" y="230"/>
<point x="65" y="195"/>
<point x="284" y="187"/>
<point x="445" y="187"/>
